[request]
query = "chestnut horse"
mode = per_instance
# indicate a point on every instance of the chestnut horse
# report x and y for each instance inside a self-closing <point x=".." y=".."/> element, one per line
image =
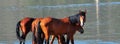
<point x="38" y="35"/>
<point x="26" y="25"/>
<point x="68" y="26"/>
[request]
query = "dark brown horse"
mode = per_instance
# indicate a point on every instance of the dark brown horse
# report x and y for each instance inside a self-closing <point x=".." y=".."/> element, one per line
<point x="26" y="25"/>
<point x="68" y="26"/>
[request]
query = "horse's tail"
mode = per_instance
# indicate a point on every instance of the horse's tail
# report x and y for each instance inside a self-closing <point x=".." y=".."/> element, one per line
<point x="18" y="30"/>
<point x="40" y="33"/>
<point x="39" y="28"/>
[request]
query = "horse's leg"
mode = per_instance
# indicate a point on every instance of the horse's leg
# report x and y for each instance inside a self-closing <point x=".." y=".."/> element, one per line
<point x="23" y="38"/>
<point x="72" y="40"/>
<point x="68" y="39"/>
<point x="53" y="37"/>
<point x="46" y="39"/>
<point x="42" y="37"/>
<point x="59" y="39"/>
<point x="34" y="39"/>
<point x="20" y="42"/>
<point x="45" y="31"/>
<point x="39" y="36"/>
<point x="25" y="31"/>
<point x="62" y="39"/>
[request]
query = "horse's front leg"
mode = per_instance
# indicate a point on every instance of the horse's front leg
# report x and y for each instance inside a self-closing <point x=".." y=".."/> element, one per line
<point x="53" y="37"/>
<point x="68" y="39"/>
<point x="72" y="40"/>
<point x="59" y="39"/>
<point x="62" y="39"/>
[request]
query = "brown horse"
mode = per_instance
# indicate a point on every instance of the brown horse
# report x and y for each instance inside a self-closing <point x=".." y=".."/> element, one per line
<point x="38" y="35"/>
<point x="26" y="25"/>
<point x="68" y="26"/>
<point x="83" y="16"/>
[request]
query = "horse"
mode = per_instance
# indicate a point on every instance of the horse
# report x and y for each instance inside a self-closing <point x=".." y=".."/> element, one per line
<point x="26" y="25"/>
<point x="68" y="25"/>
<point x="62" y="36"/>
<point x="38" y="35"/>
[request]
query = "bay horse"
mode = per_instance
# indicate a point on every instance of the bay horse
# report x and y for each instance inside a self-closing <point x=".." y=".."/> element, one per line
<point x="83" y="16"/>
<point x="68" y="25"/>
<point x="27" y="25"/>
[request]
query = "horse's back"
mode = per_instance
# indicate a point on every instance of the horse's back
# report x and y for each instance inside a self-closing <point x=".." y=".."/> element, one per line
<point x="54" y="25"/>
<point x="26" y="20"/>
<point x="35" y="23"/>
<point x="26" y="24"/>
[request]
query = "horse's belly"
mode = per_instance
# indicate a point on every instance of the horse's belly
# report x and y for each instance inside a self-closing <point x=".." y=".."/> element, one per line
<point x="59" y="28"/>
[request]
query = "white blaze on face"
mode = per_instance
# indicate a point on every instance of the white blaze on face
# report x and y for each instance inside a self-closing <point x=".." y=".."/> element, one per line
<point x="81" y="20"/>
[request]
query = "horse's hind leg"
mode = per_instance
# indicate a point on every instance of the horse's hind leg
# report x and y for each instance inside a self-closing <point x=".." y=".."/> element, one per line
<point x="46" y="39"/>
<point x="23" y="38"/>
<point x="34" y="39"/>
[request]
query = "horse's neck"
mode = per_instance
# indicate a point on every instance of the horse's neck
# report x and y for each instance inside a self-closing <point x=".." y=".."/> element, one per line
<point x="65" y="20"/>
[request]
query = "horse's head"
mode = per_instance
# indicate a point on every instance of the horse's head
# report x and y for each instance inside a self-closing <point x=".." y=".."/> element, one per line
<point x="82" y="17"/>
<point x="79" y="18"/>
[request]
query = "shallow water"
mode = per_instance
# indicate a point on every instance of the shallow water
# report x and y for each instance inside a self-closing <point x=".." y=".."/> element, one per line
<point x="109" y="17"/>
<point x="82" y="42"/>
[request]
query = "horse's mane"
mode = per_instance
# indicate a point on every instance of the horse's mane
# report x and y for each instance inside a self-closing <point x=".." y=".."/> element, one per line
<point x="74" y="19"/>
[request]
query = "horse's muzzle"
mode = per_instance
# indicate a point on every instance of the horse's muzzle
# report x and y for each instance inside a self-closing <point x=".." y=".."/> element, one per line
<point x="82" y="31"/>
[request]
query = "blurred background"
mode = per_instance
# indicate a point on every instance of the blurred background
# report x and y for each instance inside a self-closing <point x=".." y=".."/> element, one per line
<point x="102" y="19"/>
